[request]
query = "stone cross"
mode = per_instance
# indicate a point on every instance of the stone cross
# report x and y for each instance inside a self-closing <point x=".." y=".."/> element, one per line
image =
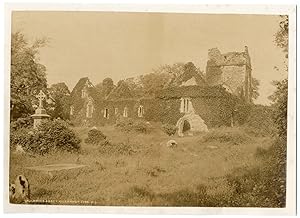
<point x="41" y="96"/>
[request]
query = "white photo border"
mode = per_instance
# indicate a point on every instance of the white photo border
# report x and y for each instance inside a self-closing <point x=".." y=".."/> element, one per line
<point x="289" y="10"/>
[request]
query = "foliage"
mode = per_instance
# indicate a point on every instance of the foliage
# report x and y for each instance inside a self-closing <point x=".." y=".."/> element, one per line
<point x="122" y="91"/>
<point x="282" y="35"/>
<point x="262" y="186"/>
<point x="183" y="198"/>
<point x="135" y="86"/>
<point x="59" y="89"/>
<point x="160" y="78"/>
<point x="241" y="113"/>
<point x="133" y="125"/>
<point x="61" y="95"/>
<point x="168" y="76"/>
<point x="95" y="136"/>
<point x="169" y="72"/>
<point x="50" y="136"/>
<point x="107" y="147"/>
<point x="26" y="122"/>
<point x="175" y="69"/>
<point x="105" y="87"/>
<point x="153" y="82"/>
<point x="265" y="186"/>
<point x="169" y="129"/>
<point x="27" y="75"/>
<point x="280" y="99"/>
<point x="99" y="88"/>
<point x="259" y="122"/>
<point x="226" y="135"/>
<point x="20" y="137"/>
<point x="254" y="87"/>
<point x="189" y="71"/>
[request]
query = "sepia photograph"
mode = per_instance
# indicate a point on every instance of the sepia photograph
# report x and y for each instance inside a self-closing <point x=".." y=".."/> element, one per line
<point x="149" y="109"/>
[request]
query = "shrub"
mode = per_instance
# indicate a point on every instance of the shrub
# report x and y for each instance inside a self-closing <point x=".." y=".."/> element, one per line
<point x="95" y="136"/>
<point x="183" y="197"/>
<point x="261" y="152"/>
<point x="186" y="197"/>
<point x="263" y="186"/>
<point x="50" y="136"/>
<point x="242" y="112"/>
<point x="106" y="147"/>
<point x="140" y="192"/>
<point x="169" y="129"/>
<point x="132" y="125"/>
<point x="155" y="171"/>
<point x="141" y="126"/>
<point x="21" y="137"/>
<point x="260" y="122"/>
<point x="226" y="135"/>
<point x="26" y="122"/>
<point x="280" y="98"/>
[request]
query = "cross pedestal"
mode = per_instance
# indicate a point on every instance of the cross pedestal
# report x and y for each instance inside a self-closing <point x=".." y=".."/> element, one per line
<point x="40" y="113"/>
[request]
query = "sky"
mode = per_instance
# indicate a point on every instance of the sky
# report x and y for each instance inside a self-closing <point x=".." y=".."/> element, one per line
<point x="122" y="45"/>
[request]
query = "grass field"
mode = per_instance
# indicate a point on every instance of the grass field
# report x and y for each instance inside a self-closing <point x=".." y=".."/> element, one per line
<point x="152" y="175"/>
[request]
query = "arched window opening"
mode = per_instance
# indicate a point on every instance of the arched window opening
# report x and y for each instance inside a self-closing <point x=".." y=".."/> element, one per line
<point x="106" y="115"/>
<point x="185" y="106"/>
<point x="83" y="93"/>
<point x="125" y="112"/>
<point x="90" y="109"/>
<point x="140" y="111"/>
<point x="72" y="110"/>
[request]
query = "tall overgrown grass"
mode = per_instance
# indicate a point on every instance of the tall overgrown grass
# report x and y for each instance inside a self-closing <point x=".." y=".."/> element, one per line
<point x="227" y="135"/>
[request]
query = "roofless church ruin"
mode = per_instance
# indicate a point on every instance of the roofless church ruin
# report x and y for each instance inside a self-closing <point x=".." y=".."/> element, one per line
<point x="196" y="104"/>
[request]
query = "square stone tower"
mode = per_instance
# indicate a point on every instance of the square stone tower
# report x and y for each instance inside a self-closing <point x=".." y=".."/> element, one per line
<point x="232" y="70"/>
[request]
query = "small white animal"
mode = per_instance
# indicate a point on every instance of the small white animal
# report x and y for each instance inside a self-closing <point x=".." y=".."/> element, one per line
<point x="171" y="143"/>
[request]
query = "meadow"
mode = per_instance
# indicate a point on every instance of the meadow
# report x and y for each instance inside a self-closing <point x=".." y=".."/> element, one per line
<point x="194" y="173"/>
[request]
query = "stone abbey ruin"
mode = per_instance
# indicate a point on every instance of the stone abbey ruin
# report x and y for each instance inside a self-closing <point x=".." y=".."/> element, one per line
<point x="198" y="101"/>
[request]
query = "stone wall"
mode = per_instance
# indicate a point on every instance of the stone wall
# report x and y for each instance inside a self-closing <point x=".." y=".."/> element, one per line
<point x="215" y="111"/>
<point x="232" y="70"/>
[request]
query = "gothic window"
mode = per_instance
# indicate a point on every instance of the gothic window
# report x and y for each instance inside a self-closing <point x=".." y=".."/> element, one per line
<point x="89" y="110"/>
<point x="185" y="105"/>
<point x="106" y="113"/>
<point x="125" y="112"/>
<point x="83" y="93"/>
<point x="72" y="110"/>
<point x="140" y="111"/>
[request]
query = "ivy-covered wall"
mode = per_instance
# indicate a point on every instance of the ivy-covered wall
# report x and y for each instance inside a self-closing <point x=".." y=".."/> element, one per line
<point x="214" y="111"/>
<point x="214" y="105"/>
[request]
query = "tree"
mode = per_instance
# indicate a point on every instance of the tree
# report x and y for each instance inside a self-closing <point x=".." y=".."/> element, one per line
<point x="173" y="71"/>
<point x="282" y="35"/>
<point x="153" y="82"/>
<point x="279" y="98"/>
<point x="122" y="91"/>
<point x="135" y="86"/>
<point x="28" y="76"/>
<point x="254" y="87"/>
<point x="108" y="86"/>
<point x="99" y="88"/>
<point x="59" y="90"/>
<point x="61" y="96"/>
<point x="160" y="78"/>
<point x="105" y="87"/>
